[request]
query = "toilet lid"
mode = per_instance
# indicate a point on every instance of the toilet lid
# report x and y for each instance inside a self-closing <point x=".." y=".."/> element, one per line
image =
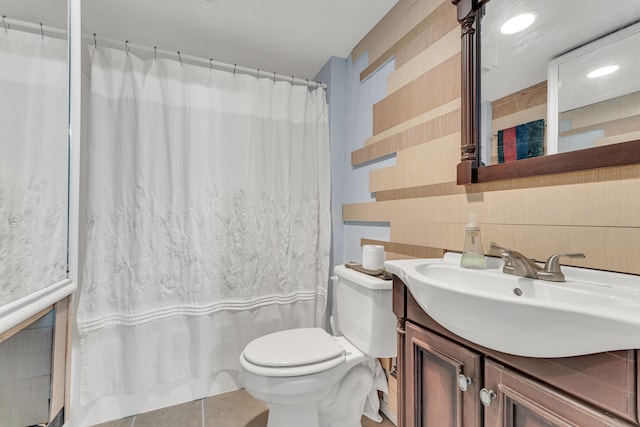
<point x="292" y="347"/>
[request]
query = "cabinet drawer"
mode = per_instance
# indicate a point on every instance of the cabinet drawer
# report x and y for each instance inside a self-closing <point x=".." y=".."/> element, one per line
<point x="519" y="401"/>
<point x="606" y="380"/>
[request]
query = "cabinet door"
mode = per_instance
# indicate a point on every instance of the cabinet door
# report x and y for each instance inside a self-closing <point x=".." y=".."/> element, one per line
<point x="437" y="372"/>
<point x="517" y="401"/>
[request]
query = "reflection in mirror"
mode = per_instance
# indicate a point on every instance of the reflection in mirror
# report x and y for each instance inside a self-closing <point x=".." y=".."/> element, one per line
<point x="594" y="93"/>
<point x="514" y="64"/>
<point x="33" y="142"/>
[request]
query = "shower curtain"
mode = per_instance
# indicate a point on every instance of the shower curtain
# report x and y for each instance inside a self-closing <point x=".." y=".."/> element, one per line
<point x="207" y="219"/>
<point x="33" y="163"/>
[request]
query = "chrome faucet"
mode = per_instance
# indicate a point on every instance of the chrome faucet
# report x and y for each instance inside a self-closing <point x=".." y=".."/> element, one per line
<point x="516" y="263"/>
<point x="519" y="265"/>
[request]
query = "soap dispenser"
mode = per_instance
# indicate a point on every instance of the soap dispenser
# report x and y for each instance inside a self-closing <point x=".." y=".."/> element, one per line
<point x="472" y="255"/>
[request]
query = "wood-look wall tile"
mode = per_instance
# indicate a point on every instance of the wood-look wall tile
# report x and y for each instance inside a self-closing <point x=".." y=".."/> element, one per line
<point x="422" y="118"/>
<point x="624" y="106"/>
<point x="438" y="127"/>
<point x="367" y="212"/>
<point x="437" y="24"/>
<point x="524" y="116"/>
<point x="430" y="163"/>
<point x="434" y="55"/>
<point x="522" y="100"/>
<point x="432" y="190"/>
<point x="431" y="90"/>
<point x="403" y="23"/>
<point x="413" y="251"/>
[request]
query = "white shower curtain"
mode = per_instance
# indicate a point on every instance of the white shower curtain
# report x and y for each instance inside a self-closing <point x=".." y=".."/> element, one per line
<point x="207" y="219"/>
<point x="33" y="163"/>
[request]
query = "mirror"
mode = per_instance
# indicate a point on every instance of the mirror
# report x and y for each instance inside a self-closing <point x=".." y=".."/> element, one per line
<point x="34" y="171"/>
<point x="505" y="89"/>
<point x="594" y="93"/>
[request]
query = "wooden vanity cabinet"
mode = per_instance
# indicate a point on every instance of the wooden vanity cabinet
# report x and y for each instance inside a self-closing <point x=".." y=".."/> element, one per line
<point x="593" y="390"/>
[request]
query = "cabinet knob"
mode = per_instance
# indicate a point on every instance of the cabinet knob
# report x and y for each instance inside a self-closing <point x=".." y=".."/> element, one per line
<point x="463" y="382"/>
<point x="487" y="396"/>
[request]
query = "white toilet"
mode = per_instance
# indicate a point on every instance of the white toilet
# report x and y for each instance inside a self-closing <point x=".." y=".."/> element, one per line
<point x="310" y="378"/>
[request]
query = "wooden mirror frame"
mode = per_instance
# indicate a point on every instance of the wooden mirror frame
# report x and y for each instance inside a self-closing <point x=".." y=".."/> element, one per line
<point x="468" y="170"/>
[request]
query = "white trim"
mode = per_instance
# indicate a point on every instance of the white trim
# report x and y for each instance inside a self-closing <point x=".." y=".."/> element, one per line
<point x="552" y="107"/>
<point x="386" y="410"/>
<point x="552" y="79"/>
<point x="74" y="40"/>
<point x="75" y="139"/>
<point x="23" y="308"/>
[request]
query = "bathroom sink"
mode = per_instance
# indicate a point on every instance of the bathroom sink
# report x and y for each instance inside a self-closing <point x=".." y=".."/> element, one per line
<point x="593" y="311"/>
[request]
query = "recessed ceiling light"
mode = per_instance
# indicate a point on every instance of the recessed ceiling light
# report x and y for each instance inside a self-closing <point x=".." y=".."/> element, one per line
<point x="517" y="23"/>
<point x="603" y="71"/>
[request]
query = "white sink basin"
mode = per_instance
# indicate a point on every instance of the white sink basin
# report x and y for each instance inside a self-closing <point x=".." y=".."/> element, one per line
<point x="593" y="311"/>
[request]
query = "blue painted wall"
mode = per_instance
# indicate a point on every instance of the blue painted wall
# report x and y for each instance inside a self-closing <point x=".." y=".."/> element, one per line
<point x="351" y="122"/>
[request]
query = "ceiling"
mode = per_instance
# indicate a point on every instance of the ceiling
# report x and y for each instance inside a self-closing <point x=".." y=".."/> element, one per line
<point x="50" y="13"/>
<point x="290" y="37"/>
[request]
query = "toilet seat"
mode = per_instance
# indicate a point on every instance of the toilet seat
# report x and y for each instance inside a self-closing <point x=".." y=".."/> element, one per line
<point x="292" y="352"/>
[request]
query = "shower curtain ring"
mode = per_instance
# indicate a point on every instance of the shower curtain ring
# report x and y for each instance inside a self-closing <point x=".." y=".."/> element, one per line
<point x="210" y="64"/>
<point x="155" y="53"/>
<point x="41" y="31"/>
<point x="291" y="80"/>
<point x="4" y="24"/>
<point x="126" y="47"/>
<point x="234" y="69"/>
<point x="180" y="57"/>
<point x="95" y="42"/>
<point x="274" y="76"/>
<point x="258" y="74"/>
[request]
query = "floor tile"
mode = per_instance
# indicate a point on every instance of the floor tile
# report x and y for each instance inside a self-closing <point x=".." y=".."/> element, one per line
<point x="366" y="422"/>
<point x="236" y="408"/>
<point x="186" y="415"/>
<point x="233" y="409"/>
<point x="124" y="422"/>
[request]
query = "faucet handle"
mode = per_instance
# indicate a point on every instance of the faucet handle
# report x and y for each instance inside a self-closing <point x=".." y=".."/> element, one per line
<point x="505" y="253"/>
<point x="553" y="263"/>
<point x="552" y="271"/>
<point x="501" y="249"/>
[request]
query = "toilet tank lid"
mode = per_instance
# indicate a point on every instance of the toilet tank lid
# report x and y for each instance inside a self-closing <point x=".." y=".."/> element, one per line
<point x="364" y="280"/>
<point x="292" y="347"/>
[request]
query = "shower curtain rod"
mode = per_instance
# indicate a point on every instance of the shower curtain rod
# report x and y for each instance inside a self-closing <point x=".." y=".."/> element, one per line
<point x="9" y="24"/>
<point x="201" y="61"/>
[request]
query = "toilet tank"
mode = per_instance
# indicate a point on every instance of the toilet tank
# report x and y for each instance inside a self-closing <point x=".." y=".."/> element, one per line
<point x="364" y="312"/>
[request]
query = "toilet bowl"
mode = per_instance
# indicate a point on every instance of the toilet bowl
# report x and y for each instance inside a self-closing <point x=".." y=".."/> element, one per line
<point x="310" y="378"/>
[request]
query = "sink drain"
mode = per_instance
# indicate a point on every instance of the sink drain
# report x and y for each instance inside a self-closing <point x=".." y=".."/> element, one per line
<point x="517" y="291"/>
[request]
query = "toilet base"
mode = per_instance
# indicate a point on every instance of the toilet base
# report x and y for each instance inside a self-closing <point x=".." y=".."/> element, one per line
<point x="342" y="407"/>
<point x="293" y="415"/>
